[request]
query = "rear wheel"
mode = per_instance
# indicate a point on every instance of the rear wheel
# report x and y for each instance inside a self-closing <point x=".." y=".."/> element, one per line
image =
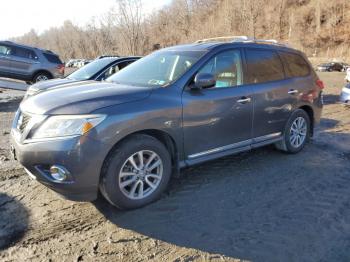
<point x="42" y="76"/>
<point x="136" y="172"/>
<point x="296" y="133"/>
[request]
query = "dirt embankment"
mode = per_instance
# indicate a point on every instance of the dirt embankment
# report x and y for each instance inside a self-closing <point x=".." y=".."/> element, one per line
<point x="261" y="206"/>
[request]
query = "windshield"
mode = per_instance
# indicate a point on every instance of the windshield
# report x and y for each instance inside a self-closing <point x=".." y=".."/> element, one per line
<point x="88" y="71"/>
<point x="157" y="69"/>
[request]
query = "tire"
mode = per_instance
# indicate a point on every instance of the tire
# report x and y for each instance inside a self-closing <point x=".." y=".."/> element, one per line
<point x="41" y="76"/>
<point x="112" y="180"/>
<point x="29" y="83"/>
<point x="286" y="144"/>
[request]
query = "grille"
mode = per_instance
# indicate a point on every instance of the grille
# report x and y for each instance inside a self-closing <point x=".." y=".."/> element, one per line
<point x="22" y="122"/>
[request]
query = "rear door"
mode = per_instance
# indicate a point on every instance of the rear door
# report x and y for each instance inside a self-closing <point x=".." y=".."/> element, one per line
<point x="23" y="61"/>
<point x="299" y="73"/>
<point x="273" y="94"/>
<point x="218" y="119"/>
<point x="5" y="52"/>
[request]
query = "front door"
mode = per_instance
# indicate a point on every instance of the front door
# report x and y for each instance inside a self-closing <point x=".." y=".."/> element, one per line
<point x="218" y="119"/>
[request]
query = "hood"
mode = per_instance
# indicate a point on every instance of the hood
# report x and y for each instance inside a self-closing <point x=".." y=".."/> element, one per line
<point x="49" y="84"/>
<point x="83" y="98"/>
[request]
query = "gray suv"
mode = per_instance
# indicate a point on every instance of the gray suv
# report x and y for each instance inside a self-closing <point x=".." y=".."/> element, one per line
<point x="29" y="64"/>
<point x="175" y="108"/>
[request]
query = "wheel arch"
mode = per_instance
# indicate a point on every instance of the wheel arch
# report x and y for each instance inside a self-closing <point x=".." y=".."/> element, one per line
<point x="41" y="71"/>
<point x="165" y="138"/>
<point x="310" y="112"/>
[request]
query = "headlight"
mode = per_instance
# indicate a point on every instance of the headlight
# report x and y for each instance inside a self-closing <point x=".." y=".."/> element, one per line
<point x="68" y="125"/>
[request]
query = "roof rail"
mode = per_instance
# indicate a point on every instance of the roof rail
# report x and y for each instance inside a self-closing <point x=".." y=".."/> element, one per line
<point x="224" y="38"/>
<point x="242" y="39"/>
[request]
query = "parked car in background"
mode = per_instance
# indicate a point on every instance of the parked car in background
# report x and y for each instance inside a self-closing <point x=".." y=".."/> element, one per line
<point x="70" y="63"/>
<point x="330" y="67"/>
<point x="177" y="107"/>
<point x="77" y="62"/>
<point x="97" y="70"/>
<point x="86" y="62"/>
<point x="103" y="56"/>
<point x="345" y="66"/>
<point x="347" y="76"/>
<point x="27" y="63"/>
<point x="345" y="94"/>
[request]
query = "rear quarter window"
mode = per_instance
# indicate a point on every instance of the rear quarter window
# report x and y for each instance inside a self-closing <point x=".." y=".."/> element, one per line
<point x="52" y="58"/>
<point x="263" y="66"/>
<point x="295" y="65"/>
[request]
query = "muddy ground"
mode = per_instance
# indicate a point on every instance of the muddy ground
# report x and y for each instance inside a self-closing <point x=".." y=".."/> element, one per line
<point x="258" y="206"/>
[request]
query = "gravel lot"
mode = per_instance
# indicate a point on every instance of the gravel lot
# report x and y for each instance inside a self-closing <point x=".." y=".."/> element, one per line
<point x="257" y="206"/>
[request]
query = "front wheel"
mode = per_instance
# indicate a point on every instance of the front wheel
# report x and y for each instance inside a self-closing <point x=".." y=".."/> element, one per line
<point x="136" y="172"/>
<point x="296" y="133"/>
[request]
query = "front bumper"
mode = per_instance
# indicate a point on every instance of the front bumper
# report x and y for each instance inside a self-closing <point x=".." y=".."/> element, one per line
<point x="82" y="156"/>
<point x="345" y="95"/>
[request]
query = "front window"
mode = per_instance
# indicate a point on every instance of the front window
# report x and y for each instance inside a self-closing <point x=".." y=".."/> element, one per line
<point x="5" y="50"/>
<point x="88" y="71"/>
<point x="226" y="68"/>
<point x="158" y="69"/>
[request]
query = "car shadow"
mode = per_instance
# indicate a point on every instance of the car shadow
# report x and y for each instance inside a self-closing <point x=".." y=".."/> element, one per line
<point x="330" y="99"/>
<point x="326" y="123"/>
<point x="13" y="221"/>
<point x="261" y="205"/>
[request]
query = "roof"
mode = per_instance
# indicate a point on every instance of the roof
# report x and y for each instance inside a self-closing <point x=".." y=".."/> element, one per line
<point x="213" y="43"/>
<point x="26" y="46"/>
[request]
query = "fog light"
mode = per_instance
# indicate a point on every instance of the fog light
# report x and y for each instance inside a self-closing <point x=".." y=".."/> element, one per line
<point x="58" y="173"/>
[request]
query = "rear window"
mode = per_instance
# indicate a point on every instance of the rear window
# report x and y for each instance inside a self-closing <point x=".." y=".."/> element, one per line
<point x="52" y="58"/>
<point x="263" y="66"/>
<point x="295" y="65"/>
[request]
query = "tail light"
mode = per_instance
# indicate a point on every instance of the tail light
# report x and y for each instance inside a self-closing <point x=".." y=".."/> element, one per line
<point x="61" y="68"/>
<point x="320" y="84"/>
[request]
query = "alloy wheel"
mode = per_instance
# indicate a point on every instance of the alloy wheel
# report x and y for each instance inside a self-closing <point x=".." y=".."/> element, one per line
<point x="298" y="132"/>
<point x="42" y="78"/>
<point x="141" y="174"/>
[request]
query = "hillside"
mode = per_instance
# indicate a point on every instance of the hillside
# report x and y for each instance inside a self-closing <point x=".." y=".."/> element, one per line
<point x="318" y="27"/>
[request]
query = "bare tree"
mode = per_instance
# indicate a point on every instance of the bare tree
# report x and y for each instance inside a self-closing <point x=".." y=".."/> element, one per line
<point x="129" y="19"/>
<point x="308" y="25"/>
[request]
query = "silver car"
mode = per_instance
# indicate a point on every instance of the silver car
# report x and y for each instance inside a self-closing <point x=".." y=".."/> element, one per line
<point x="29" y="64"/>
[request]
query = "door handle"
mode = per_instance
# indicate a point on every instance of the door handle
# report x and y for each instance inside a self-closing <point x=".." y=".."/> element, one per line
<point x="244" y="100"/>
<point x="293" y="91"/>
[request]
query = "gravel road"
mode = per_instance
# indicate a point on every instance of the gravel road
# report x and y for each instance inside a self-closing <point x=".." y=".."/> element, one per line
<point x="257" y="206"/>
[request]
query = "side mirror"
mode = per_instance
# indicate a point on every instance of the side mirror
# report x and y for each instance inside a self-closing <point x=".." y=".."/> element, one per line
<point x="204" y="80"/>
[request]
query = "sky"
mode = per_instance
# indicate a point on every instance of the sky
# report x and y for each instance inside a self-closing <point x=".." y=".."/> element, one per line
<point x="20" y="16"/>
